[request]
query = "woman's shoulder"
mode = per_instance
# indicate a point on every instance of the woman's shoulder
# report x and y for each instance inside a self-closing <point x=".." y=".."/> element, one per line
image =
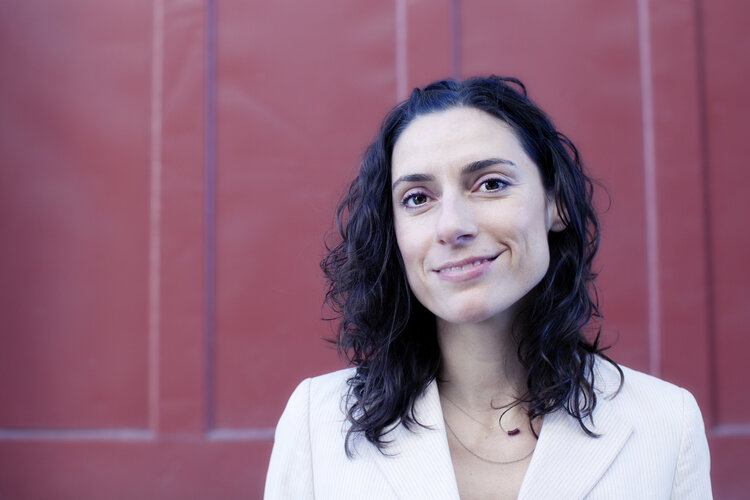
<point x="322" y="393"/>
<point x="647" y="401"/>
<point x="636" y="386"/>
<point x="332" y="381"/>
<point x="667" y="444"/>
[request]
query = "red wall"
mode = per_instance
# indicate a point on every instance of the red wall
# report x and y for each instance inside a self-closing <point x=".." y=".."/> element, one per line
<point x="169" y="169"/>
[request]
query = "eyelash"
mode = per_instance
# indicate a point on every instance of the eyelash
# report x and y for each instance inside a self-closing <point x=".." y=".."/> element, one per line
<point x="411" y="196"/>
<point x="405" y="202"/>
<point x="501" y="184"/>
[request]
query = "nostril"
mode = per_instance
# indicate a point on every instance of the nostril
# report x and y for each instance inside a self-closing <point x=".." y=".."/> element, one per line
<point x="455" y="222"/>
<point x="456" y="238"/>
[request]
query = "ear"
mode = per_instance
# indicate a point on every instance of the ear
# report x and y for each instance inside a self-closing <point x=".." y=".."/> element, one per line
<point x="554" y="218"/>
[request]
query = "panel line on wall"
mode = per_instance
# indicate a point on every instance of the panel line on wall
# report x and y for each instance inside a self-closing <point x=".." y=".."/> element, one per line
<point x="706" y="195"/>
<point x="649" y="171"/>
<point x="114" y="434"/>
<point x="249" y="434"/>
<point x="730" y="430"/>
<point x="402" y="76"/>
<point x="155" y="187"/>
<point x="209" y="218"/>
<point x="455" y="33"/>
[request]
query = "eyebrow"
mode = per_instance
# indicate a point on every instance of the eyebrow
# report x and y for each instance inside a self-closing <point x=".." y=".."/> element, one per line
<point x="469" y="168"/>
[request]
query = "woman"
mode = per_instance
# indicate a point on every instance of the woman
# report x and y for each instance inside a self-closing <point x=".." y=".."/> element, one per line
<point x="463" y="286"/>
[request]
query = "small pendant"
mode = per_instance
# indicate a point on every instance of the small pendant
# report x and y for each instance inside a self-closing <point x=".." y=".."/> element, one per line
<point x="514" y="432"/>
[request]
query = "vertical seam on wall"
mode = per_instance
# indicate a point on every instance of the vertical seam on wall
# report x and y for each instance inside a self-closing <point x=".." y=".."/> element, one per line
<point x="649" y="170"/>
<point x="154" y="262"/>
<point x="706" y="195"/>
<point x="455" y="31"/>
<point x="209" y="217"/>
<point x="401" y="50"/>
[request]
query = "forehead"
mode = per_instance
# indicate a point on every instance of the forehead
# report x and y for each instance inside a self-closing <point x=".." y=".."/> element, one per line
<point x="456" y="136"/>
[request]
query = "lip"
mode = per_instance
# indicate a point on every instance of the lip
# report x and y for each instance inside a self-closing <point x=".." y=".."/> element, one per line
<point x="465" y="269"/>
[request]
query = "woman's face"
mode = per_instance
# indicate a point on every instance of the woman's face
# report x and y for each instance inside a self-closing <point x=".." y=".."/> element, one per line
<point x="471" y="215"/>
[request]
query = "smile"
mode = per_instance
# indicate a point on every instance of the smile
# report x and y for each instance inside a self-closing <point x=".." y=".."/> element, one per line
<point x="465" y="269"/>
<point x="465" y="266"/>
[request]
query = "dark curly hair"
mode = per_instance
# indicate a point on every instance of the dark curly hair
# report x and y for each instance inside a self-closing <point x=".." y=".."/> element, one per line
<point x="391" y="338"/>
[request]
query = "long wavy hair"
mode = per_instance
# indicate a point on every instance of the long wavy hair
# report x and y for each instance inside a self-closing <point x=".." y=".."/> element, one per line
<point x="391" y="337"/>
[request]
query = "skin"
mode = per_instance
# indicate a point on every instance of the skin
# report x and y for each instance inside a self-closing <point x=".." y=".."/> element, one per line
<point x="472" y="219"/>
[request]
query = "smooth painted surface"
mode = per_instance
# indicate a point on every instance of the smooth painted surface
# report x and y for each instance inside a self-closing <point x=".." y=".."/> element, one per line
<point x="74" y="212"/>
<point x="295" y="109"/>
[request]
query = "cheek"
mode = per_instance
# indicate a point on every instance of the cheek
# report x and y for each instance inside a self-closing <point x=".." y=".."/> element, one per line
<point x="537" y="251"/>
<point x="528" y="242"/>
<point x="407" y="243"/>
<point x="413" y="246"/>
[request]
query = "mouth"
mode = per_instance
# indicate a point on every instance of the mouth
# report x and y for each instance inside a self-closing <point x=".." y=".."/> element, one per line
<point x="465" y="264"/>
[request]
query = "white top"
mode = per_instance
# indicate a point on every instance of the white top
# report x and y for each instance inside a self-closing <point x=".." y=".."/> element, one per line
<point x="651" y="444"/>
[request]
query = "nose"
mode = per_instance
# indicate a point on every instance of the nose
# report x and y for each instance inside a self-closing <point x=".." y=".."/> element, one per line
<point x="455" y="222"/>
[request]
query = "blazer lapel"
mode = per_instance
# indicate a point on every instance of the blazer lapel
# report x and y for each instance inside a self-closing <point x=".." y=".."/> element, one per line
<point x="417" y="463"/>
<point x="567" y="463"/>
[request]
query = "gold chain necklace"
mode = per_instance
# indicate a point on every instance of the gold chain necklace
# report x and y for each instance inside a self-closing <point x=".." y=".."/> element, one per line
<point x="511" y="432"/>
<point x="483" y="459"/>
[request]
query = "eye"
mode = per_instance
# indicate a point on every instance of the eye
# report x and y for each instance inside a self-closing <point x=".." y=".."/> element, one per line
<point x="491" y="185"/>
<point x="414" y="200"/>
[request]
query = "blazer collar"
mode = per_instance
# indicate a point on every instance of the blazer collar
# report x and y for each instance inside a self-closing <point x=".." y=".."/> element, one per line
<point x="567" y="463"/>
<point x="418" y="462"/>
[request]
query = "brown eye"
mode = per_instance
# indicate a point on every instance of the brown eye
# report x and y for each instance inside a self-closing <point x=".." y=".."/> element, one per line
<point x="419" y="199"/>
<point x="415" y="200"/>
<point x="492" y="185"/>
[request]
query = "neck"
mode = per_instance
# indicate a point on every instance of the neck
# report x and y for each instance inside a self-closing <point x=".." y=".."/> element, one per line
<point x="480" y="366"/>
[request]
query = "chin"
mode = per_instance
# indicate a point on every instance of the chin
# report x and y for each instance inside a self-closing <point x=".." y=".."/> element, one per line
<point x="471" y="313"/>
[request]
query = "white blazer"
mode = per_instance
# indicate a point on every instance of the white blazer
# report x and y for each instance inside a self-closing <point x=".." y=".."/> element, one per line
<point x="652" y="444"/>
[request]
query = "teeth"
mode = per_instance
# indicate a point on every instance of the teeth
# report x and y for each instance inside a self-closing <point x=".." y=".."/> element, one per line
<point x="465" y="266"/>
